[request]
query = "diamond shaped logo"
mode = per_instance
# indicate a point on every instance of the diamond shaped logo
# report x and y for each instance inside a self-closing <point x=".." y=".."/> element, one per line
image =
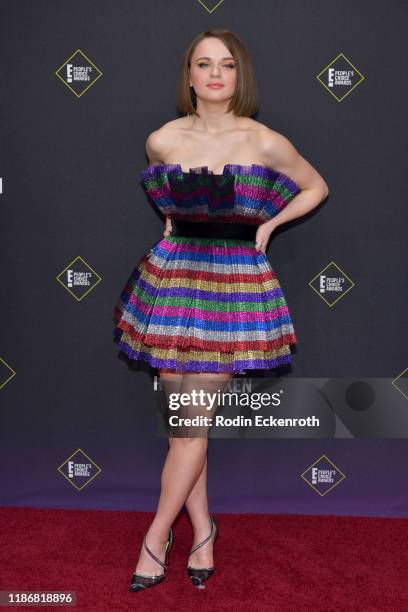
<point x="331" y="284"/>
<point x="214" y="5"/>
<point x="340" y="77"/>
<point x="402" y="384"/>
<point x="6" y="373"/>
<point x="79" y="469"/>
<point x="78" y="73"/>
<point x="78" y="278"/>
<point x="323" y="475"/>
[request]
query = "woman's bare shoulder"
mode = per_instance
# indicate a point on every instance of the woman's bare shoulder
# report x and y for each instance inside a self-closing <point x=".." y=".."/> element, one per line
<point x="267" y="140"/>
<point x="262" y="131"/>
<point x="277" y="151"/>
<point x="263" y="137"/>
<point x="160" y="142"/>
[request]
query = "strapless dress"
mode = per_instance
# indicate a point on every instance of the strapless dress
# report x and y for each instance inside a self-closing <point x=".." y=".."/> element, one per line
<point x="203" y="299"/>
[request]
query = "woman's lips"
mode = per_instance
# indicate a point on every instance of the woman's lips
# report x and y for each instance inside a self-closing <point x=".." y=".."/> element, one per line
<point x="215" y="85"/>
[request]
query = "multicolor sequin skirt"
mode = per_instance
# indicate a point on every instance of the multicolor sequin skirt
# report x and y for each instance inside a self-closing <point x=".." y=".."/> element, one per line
<point x="198" y="304"/>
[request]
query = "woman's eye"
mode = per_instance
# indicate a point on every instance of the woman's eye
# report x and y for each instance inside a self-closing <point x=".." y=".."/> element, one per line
<point x="225" y="65"/>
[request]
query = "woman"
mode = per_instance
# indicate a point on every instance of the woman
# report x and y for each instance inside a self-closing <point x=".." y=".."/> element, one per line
<point x="224" y="182"/>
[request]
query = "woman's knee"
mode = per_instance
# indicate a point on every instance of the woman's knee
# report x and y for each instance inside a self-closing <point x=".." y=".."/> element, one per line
<point x="189" y="442"/>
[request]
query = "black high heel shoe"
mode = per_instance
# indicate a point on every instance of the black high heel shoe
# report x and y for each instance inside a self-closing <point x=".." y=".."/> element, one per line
<point x="199" y="575"/>
<point x="140" y="582"/>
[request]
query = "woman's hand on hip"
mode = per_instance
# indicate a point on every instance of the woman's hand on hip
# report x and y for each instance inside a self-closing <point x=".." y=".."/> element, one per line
<point x="263" y="234"/>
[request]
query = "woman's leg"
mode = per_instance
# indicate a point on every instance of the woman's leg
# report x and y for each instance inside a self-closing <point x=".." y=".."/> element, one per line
<point x="197" y="502"/>
<point x="183" y="465"/>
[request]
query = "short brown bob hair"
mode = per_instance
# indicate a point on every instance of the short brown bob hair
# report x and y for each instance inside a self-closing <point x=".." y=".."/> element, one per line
<point x="245" y="101"/>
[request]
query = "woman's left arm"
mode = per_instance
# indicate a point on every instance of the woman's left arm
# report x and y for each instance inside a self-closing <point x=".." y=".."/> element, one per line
<point x="280" y="154"/>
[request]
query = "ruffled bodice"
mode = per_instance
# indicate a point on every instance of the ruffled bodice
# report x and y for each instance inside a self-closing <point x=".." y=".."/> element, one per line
<point x="241" y="194"/>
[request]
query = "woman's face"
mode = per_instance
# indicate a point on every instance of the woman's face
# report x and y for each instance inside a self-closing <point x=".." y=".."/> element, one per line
<point x="212" y="63"/>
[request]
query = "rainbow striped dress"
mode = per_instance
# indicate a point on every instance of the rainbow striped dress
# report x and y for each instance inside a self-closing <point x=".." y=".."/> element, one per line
<point x="206" y="304"/>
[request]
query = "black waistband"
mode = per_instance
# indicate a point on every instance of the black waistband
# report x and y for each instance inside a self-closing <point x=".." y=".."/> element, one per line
<point x="208" y="229"/>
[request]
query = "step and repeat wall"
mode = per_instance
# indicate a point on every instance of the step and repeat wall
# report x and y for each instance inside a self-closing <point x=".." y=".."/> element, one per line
<point x="83" y="86"/>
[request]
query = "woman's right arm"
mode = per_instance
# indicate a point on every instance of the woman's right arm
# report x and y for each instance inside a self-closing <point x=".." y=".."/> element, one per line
<point x="157" y="150"/>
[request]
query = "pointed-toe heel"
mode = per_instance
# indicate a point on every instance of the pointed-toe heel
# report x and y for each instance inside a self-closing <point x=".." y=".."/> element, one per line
<point x="199" y="575"/>
<point x="140" y="582"/>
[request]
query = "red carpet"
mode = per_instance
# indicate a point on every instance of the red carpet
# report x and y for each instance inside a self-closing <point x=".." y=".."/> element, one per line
<point x="263" y="562"/>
